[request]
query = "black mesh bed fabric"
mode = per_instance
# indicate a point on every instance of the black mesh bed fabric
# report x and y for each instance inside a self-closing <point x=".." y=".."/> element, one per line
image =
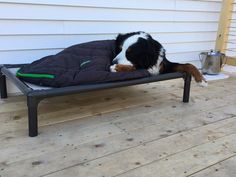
<point x="86" y="63"/>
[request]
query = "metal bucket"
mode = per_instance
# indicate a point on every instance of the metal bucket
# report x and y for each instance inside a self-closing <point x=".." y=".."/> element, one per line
<point x="211" y="62"/>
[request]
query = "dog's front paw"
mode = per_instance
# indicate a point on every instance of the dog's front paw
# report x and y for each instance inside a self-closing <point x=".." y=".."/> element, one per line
<point x="113" y="68"/>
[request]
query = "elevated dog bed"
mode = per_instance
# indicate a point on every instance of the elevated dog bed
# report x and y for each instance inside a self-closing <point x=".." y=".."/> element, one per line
<point x="61" y="76"/>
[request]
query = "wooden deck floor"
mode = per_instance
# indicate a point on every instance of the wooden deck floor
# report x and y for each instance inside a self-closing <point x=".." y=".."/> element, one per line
<point x="138" y="131"/>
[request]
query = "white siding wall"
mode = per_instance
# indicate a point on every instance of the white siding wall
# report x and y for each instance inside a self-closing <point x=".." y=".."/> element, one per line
<point x="231" y="43"/>
<point x="32" y="29"/>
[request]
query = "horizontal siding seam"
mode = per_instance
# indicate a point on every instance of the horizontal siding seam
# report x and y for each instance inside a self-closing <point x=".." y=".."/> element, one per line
<point x="101" y="34"/>
<point x="141" y="21"/>
<point x="42" y="34"/>
<point x="111" y="7"/>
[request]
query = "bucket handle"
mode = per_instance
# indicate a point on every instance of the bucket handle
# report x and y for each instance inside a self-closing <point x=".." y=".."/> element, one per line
<point x="201" y="59"/>
<point x="222" y="63"/>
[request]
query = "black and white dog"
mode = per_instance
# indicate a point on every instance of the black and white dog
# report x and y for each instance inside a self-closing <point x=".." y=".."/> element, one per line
<point x="141" y="51"/>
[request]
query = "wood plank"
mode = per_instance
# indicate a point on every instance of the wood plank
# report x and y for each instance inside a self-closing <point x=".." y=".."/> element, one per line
<point x="153" y="118"/>
<point x="115" y="143"/>
<point x="189" y="161"/>
<point x="141" y="158"/>
<point x="225" y="168"/>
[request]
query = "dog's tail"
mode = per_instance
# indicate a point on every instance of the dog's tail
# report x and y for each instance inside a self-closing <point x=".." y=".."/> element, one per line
<point x="190" y="69"/>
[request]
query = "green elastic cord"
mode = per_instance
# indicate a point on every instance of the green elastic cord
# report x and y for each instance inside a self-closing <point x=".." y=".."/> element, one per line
<point x="85" y="62"/>
<point x="47" y="76"/>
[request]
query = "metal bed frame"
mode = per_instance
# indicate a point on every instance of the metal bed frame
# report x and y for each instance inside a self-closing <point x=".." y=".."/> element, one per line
<point x="35" y="96"/>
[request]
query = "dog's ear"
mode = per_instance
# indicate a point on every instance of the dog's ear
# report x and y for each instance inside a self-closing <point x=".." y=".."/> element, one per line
<point x="121" y="38"/>
<point x="157" y="46"/>
<point x="119" y="42"/>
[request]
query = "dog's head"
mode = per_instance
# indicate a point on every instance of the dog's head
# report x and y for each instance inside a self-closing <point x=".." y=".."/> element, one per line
<point x="138" y="49"/>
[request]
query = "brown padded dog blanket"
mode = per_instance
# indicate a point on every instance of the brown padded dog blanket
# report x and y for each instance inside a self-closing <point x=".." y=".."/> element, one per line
<point x="85" y="63"/>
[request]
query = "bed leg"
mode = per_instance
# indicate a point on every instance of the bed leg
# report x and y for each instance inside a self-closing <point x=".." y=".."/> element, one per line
<point x="187" y="84"/>
<point x="3" y="86"/>
<point x="32" y="103"/>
